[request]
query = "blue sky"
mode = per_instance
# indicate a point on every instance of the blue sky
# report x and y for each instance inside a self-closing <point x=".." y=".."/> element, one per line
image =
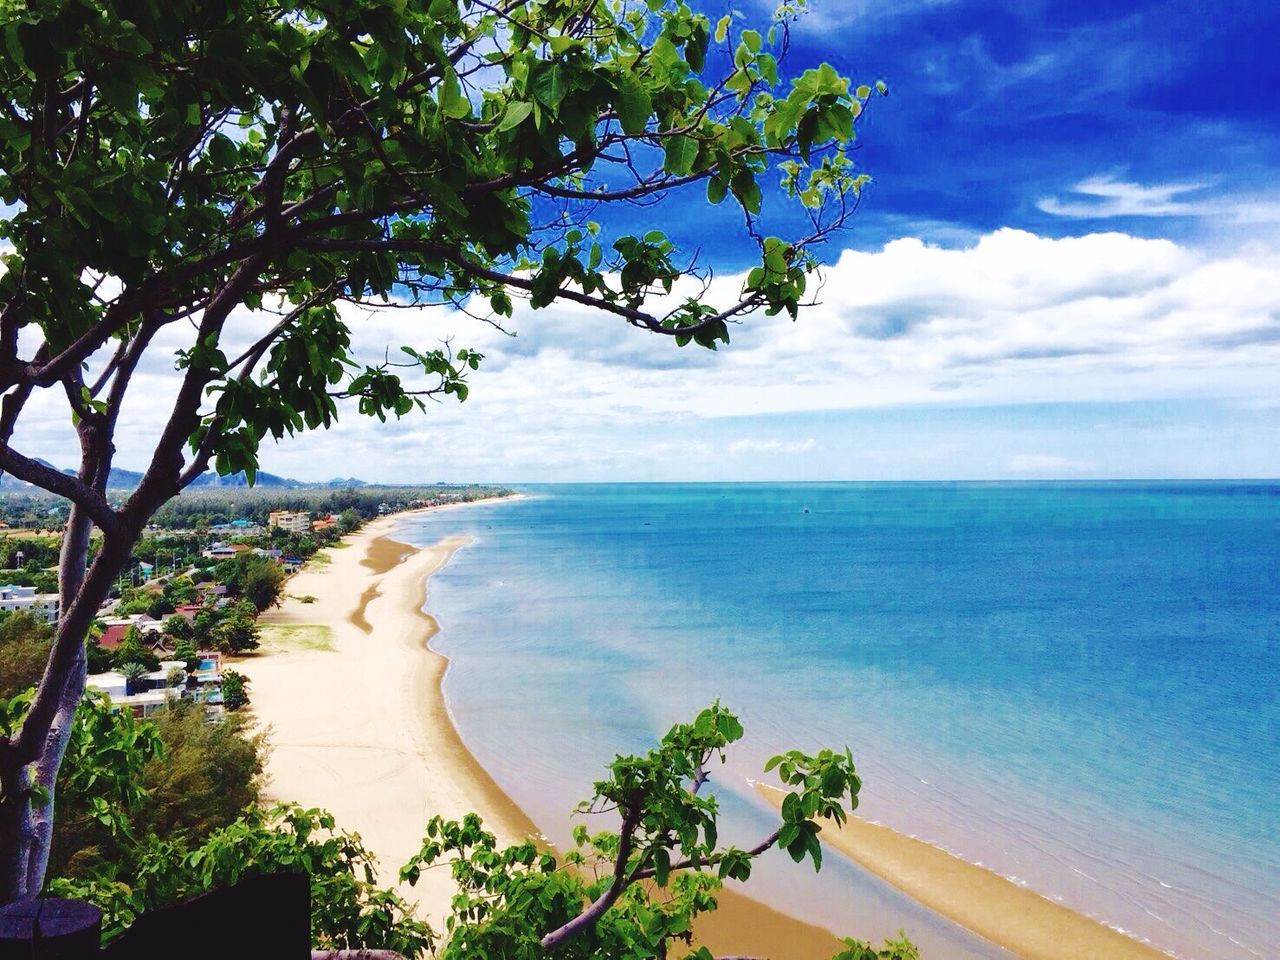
<point x="1156" y="119"/>
<point x="1068" y="266"/>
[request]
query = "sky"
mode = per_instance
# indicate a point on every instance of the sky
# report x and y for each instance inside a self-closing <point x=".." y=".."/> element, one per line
<point x="1067" y="266"/>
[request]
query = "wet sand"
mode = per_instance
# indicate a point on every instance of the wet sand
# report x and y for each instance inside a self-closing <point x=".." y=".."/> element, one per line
<point x="1011" y="916"/>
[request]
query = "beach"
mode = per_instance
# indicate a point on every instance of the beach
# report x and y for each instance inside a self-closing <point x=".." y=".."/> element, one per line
<point x="1016" y="918"/>
<point x="357" y="725"/>
<point x="351" y="693"/>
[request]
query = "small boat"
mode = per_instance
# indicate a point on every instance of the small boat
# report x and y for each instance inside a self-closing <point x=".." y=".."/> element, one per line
<point x="805" y="510"/>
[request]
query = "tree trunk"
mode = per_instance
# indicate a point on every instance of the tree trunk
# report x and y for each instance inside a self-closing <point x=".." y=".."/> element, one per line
<point x="35" y="754"/>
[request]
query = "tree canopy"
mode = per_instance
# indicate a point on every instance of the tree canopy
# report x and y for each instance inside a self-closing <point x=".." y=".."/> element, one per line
<point x="632" y="886"/>
<point x="233" y="175"/>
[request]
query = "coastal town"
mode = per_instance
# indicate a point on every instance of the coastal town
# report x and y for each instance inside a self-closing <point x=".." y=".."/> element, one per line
<point x="188" y="607"/>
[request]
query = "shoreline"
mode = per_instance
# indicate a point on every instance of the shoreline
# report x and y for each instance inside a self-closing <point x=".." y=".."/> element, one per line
<point x="353" y="727"/>
<point x="369" y="594"/>
<point x="385" y="776"/>
<point x="1011" y="916"/>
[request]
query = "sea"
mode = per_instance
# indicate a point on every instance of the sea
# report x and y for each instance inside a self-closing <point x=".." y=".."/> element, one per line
<point x="1076" y="685"/>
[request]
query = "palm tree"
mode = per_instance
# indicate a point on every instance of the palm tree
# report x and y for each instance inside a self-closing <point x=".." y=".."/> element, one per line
<point x="133" y="672"/>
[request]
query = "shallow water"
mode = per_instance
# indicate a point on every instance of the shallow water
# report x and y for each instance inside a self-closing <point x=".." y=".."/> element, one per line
<point x="1073" y="684"/>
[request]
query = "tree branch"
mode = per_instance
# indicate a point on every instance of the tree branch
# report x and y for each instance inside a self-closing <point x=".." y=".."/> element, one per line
<point x="64" y="485"/>
<point x="596" y="910"/>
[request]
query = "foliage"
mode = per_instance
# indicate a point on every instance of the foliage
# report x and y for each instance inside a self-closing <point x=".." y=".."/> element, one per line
<point x="234" y="694"/>
<point x="125" y="780"/>
<point x="165" y="166"/>
<point x="135" y="600"/>
<point x="185" y="651"/>
<point x="202" y="626"/>
<point x="632" y="893"/>
<point x="38" y="553"/>
<point x="255" y="578"/>
<point x="101" y="781"/>
<point x="99" y="659"/>
<point x="237" y="630"/>
<point x="133" y="650"/>
<point x="179" y="628"/>
<point x="206" y="776"/>
<point x="24" y="648"/>
<point x="348" y="910"/>
<point x="520" y="902"/>
<point x="133" y="672"/>
<point x="894" y="949"/>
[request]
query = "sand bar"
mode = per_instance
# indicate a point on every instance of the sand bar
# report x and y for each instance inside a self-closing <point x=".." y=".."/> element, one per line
<point x="1011" y="916"/>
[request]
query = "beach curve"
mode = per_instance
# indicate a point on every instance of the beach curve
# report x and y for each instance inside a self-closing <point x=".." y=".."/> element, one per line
<point x="359" y="726"/>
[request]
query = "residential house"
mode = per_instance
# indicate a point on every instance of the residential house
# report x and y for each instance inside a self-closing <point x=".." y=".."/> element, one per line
<point x="238" y="528"/>
<point x="43" y="606"/>
<point x="114" y="629"/>
<point x="152" y="691"/>
<point x="220" y="551"/>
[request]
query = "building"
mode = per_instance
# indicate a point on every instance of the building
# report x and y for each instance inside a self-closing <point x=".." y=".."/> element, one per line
<point x="43" y="606"/>
<point x="239" y="528"/>
<point x="152" y="691"/>
<point x="115" y="628"/>
<point x="291" y="521"/>
<point x="324" y="523"/>
<point x="219" y="551"/>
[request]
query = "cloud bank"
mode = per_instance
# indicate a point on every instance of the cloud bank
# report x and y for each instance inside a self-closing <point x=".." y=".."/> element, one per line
<point x="1012" y="321"/>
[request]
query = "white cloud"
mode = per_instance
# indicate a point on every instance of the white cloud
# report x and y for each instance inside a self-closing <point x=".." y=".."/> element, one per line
<point x="742" y="447"/>
<point x="1105" y="197"/>
<point x="1012" y="319"/>
<point x="1108" y="197"/>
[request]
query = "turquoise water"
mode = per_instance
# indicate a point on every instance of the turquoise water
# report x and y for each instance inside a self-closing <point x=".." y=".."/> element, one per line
<point x="1075" y="684"/>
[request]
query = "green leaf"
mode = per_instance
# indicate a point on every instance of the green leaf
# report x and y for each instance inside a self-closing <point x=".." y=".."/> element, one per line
<point x="551" y="86"/>
<point x="516" y="113"/>
<point x="453" y="102"/>
<point x="722" y="28"/>
<point x="681" y="153"/>
<point x="632" y="104"/>
<point x="791" y="811"/>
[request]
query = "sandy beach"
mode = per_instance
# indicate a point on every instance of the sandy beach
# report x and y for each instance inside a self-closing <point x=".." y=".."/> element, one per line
<point x="1014" y="917"/>
<point x="351" y="696"/>
<point x="351" y="693"/>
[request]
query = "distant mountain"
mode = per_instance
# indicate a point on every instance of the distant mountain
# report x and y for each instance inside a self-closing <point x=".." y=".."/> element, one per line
<point x="125" y="479"/>
<point x="121" y="479"/>
<point x="262" y="479"/>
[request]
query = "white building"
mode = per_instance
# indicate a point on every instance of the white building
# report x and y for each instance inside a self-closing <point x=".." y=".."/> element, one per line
<point x="152" y="690"/>
<point x="41" y="605"/>
<point x="219" y="551"/>
<point x="291" y="521"/>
